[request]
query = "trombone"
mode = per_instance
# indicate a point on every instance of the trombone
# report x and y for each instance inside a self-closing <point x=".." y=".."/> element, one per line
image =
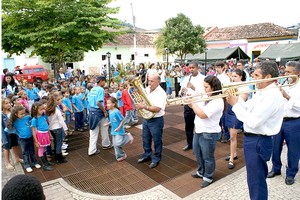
<point x="209" y="96"/>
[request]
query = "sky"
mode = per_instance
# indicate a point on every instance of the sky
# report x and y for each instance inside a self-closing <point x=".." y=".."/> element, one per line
<point x="152" y="14"/>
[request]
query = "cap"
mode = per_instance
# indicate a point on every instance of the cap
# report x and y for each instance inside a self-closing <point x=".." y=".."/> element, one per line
<point x="100" y="78"/>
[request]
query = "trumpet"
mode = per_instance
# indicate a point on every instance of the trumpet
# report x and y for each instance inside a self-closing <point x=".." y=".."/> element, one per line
<point x="233" y="86"/>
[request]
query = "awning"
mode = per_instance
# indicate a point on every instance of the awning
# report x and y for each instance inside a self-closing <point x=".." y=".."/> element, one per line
<point x="213" y="55"/>
<point x="282" y="52"/>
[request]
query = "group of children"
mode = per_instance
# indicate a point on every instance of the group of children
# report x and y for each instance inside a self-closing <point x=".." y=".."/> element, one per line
<point x="34" y="117"/>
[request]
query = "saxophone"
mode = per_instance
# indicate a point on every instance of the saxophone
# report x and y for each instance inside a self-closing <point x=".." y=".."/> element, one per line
<point x="138" y="95"/>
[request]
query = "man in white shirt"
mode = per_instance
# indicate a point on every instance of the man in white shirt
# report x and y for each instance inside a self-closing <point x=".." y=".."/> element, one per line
<point x="153" y="128"/>
<point x="262" y="117"/>
<point x="191" y="85"/>
<point x="241" y="65"/>
<point x="290" y="129"/>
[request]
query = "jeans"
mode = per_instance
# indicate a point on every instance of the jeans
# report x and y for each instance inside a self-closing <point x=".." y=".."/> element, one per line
<point x="257" y="150"/>
<point x="57" y="135"/>
<point x="204" y="145"/>
<point x="85" y="116"/>
<point x="78" y="120"/>
<point x="94" y="136"/>
<point x="128" y="117"/>
<point x="27" y="147"/>
<point x="119" y="141"/>
<point x="153" y="129"/>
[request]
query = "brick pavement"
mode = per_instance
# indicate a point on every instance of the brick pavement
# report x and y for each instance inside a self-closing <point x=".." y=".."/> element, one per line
<point x="233" y="186"/>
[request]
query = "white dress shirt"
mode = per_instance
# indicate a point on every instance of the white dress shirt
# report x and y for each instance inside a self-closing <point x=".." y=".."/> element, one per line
<point x="158" y="98"/>
<point x="263" y="114"/>
<point x="214" y="111"/>
<point x="292" y="106"/>
<point x="57" y="121"/>
<point x="197" y="82"/>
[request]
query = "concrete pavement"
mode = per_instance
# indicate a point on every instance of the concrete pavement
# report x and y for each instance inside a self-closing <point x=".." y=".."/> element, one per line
<point x="233" y="187"/>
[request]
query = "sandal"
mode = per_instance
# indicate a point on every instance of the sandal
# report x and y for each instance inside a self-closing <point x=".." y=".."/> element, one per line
<point x="230" y="165"/>
<point x="9" y="166"/>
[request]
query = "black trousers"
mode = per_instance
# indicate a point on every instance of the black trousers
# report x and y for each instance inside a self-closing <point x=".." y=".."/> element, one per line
<point x="163" y="85"/>
<point x="177" y="89"/>
<point x="189" y="117"/>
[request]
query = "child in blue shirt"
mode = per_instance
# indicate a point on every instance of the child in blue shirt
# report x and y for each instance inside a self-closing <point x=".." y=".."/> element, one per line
<point x="119" y="136"/>
<point x="83" y="95"/>
<point x="78" y="110"/>
<point x="40" y="132"/>
<point x="168" y="85"/>
<point x="20" y="124"/>
<point x="68" y="110"/>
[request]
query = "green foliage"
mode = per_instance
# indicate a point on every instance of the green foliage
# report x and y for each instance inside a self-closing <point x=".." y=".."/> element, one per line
<point x="59" y="27"/>
<point x="181" y="37"/>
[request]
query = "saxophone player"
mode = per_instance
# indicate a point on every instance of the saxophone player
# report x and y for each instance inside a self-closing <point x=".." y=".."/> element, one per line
<point x="153" y="128"/>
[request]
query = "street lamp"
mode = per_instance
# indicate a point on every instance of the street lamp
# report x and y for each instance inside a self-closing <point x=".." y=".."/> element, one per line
<point x="205" y="61"/>
<point x="108" y="59"/>
<point x="53" y="64"/>
<point x="167" y="52"/>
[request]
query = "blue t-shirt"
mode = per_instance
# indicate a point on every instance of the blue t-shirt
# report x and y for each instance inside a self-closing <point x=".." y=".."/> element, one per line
<point x="84" y="101"/>
<point x="168" y="82"/>
<point x="115" y="119"/>
<point x="67" y="103"/>
<point x="32" y="94"/>
<point x="119" y="95"/>
<point x="96" y="94"/>
<point x="40" y="123"/>
<point x="76" y="100"/>
<point x="23" y="128"/>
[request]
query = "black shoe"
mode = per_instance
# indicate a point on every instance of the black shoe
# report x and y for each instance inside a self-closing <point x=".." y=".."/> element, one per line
<point x="224" y="140"/>
<point x="196" y="175"/>
<point x="141" y="160"/>
<point x="228" y="158"/>
<point x="230" y="165"/>
<point x="187" y="148"/>
<point x="47" y="168"/>
<point x="96" y="152"/>
<point x="289" y="180"/>
<point x="153" y="165"/>
<point x="205" y="183"/>
<point x="107" y="147"/>
<point x="273" y="174"/>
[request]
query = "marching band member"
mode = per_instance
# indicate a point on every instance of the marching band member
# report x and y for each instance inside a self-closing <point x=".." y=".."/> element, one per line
<point x="207" y="130"/>
<point x="191" y="84"/>
<point x="290" y="129"/>
<point x="153" y="128"/>
<point x="262" y="117"/>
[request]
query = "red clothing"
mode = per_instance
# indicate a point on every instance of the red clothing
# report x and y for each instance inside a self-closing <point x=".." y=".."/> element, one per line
<point x="106" y="97"/>
<point x="127" y="103"/>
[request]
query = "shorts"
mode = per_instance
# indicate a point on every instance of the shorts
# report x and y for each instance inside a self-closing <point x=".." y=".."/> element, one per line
<point x="68" y="118"/>
<point x="12" y="141"/>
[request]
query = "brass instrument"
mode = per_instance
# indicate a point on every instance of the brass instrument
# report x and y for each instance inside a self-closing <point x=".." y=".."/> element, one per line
<point x="138" y="95"/>
<point x="204" y="97"/>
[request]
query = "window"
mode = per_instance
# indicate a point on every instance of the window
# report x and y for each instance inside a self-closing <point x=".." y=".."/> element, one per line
<point x="103" y="57"/>
<point x="38" y="70"/>
<point x="146" y="55"/>
<point x="132" y="56"/>
<point x="28" y="71"/>
<point x="119" y="57"/>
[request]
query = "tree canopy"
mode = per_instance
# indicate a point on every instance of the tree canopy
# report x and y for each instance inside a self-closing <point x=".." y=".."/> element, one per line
<point x="59" y="27"/>
<point x="181" y="37"/>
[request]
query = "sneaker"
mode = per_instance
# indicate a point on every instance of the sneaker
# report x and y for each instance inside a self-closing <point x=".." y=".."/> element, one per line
<point x="130" y="138"/>
<point x="127" y="126"/>
<point x="107" y="147"/>
<point x="122" y="158"/>
<point x="28" y="169"/>
<point x="64" y="153"/>
<point x="230" y="165"/>
<point x="37" y="166"/>
<point x="227" y="158"/>
<point x="96" y="152"/>
<point x="205" y="183"/>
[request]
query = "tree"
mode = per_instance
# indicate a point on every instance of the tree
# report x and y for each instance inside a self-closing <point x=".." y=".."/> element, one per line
<point x="181" y="37"/>
<point x="59" y="27"/>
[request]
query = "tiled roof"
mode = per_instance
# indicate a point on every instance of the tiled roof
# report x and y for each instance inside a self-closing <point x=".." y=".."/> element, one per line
<point x="262" y="30"/>
<point x="127" y="39"/>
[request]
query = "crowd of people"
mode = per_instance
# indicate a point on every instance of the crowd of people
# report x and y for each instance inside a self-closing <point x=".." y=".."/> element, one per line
<point x="40" y="115"/>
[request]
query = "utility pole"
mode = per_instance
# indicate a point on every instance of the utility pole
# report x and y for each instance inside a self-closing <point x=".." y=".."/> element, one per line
<point x="134" y="35"/>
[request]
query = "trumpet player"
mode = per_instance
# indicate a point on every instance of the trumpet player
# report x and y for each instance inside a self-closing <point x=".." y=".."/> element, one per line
<point x="262" y="118"/>
<point x="290" y="129"/>
<point x="190" y="85"/>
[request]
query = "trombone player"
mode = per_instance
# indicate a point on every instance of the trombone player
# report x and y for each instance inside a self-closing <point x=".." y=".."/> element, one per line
<point x="262" y="117"/>
<point x="290" y="129"/>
